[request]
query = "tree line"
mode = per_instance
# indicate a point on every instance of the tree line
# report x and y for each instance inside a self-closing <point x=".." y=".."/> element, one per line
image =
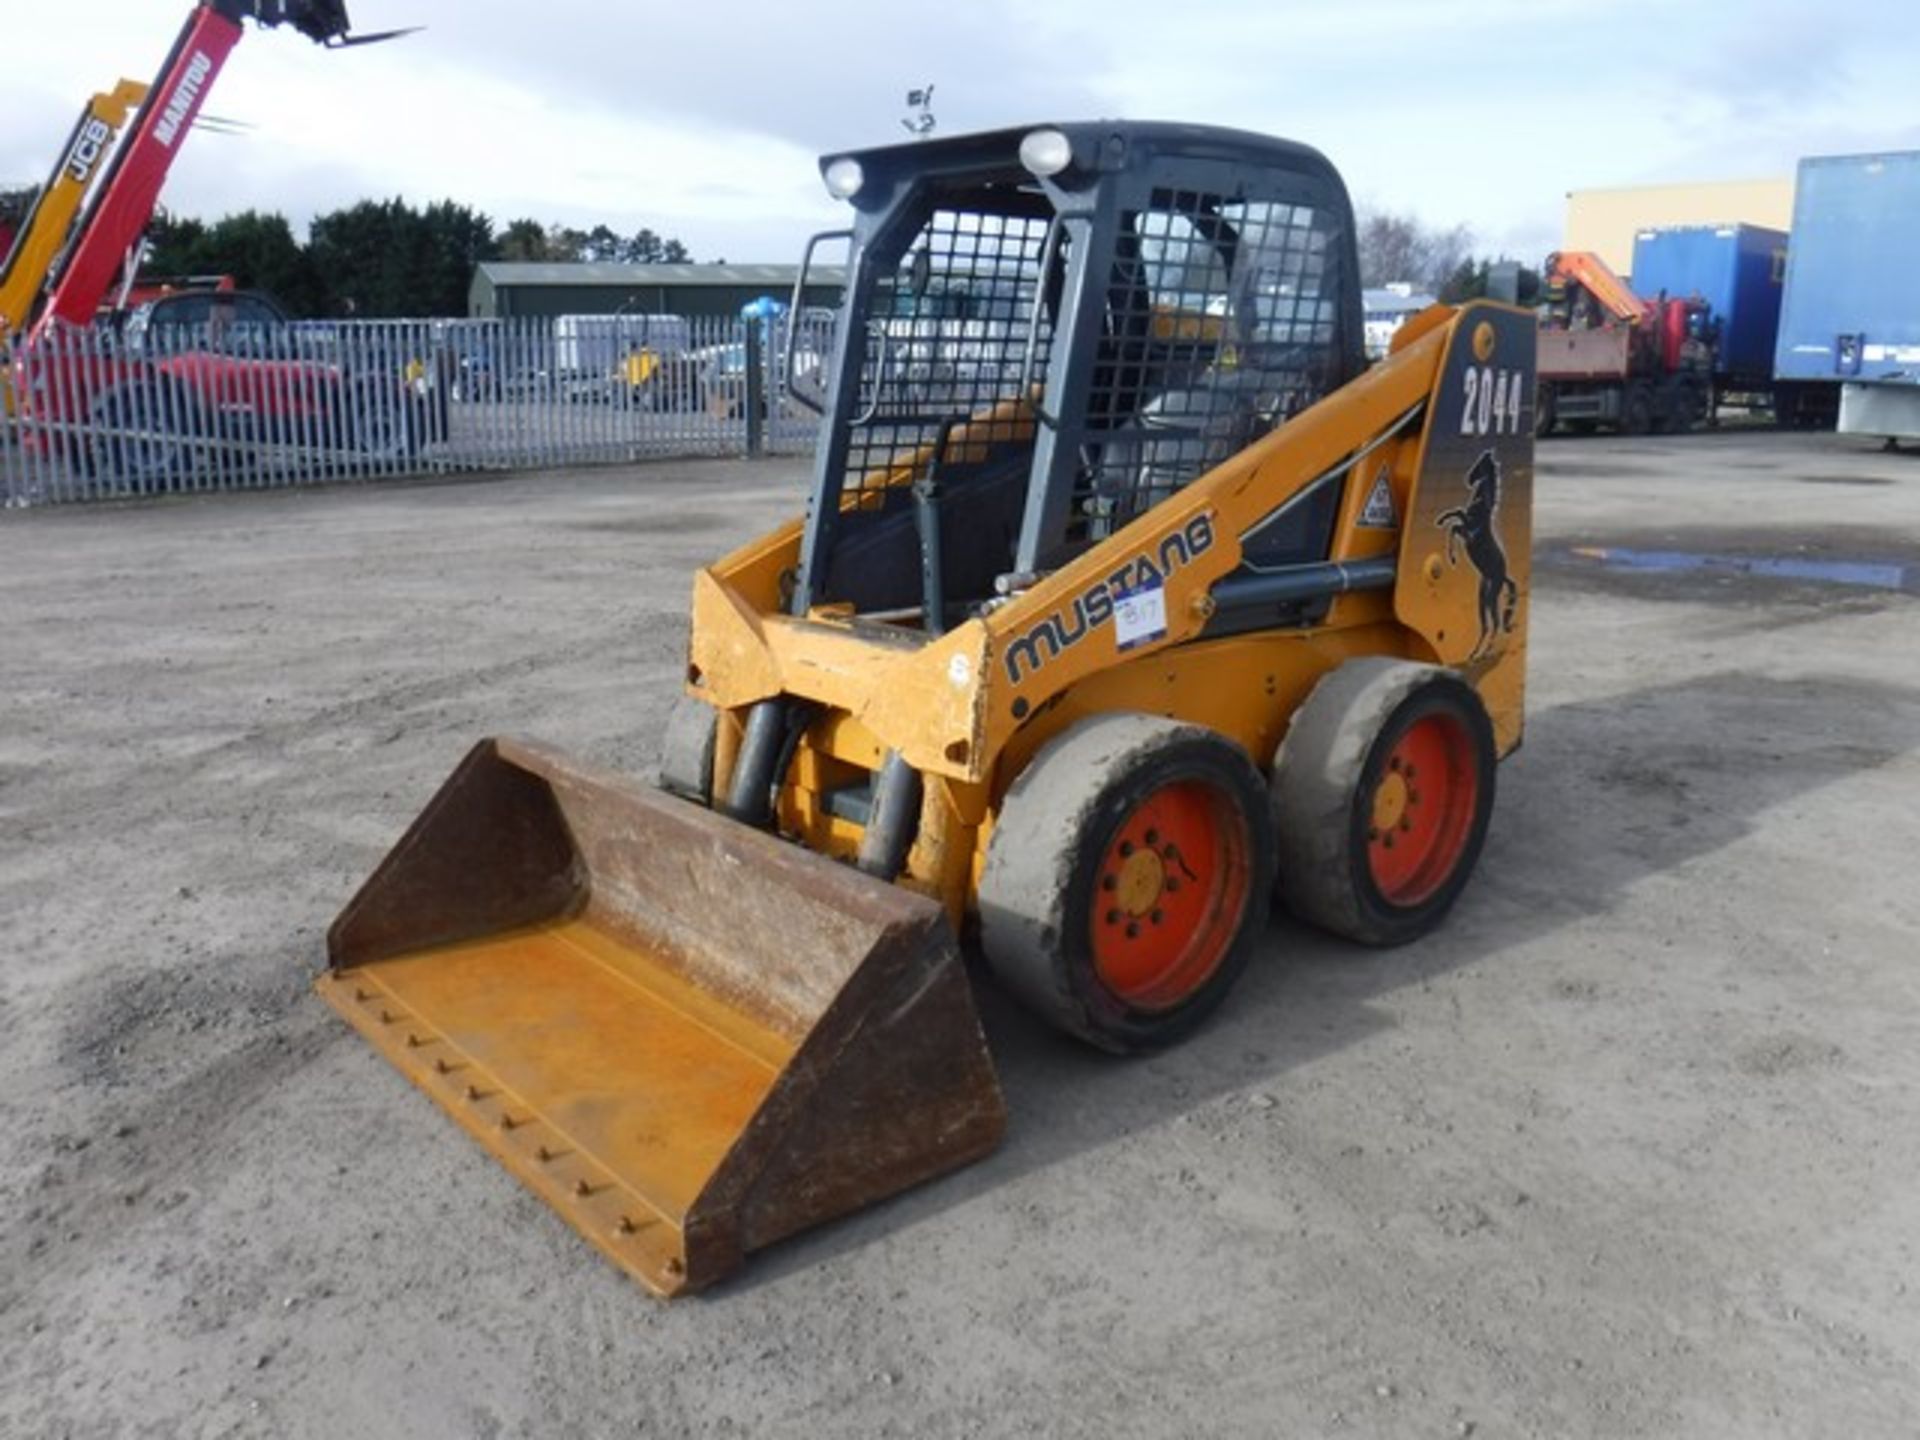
<point x="380" y="258"/>
<point x="376" y="259"/>
<point x="386" y="258"/>
<point x="528" y="241"/>
<point x="1400" y="248"/>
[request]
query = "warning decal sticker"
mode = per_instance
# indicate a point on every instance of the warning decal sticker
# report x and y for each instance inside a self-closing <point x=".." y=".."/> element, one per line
<point x="1378" y="513"/>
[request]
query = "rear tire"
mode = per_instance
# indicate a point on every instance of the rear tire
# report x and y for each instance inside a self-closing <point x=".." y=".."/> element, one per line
<point x="1685" y="407"/>
<point x="686" y="751"/>
<point x="1636" y="409"/>
<point x="1673" y="416"/>
<point x="384" y="422"/>
<point x="1128" y="878"/>
<point x="1382" y="787"/>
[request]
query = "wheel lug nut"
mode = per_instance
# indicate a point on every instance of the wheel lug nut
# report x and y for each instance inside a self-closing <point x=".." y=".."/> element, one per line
<point x="1409" y="772"/>
<point x="1387" y="840"/>
<point x="1406" y="823"/>
<point x="1107" y="882"/>
<point x="1133" y="929"/>
<point x="1126" y="848"/>
<point x="1156" y="917"/>
<point x="1153" y="837"/>
<point x="1373" y="832"/>
<point x="1172" y="885"/>
<point x="1113" y="917"/>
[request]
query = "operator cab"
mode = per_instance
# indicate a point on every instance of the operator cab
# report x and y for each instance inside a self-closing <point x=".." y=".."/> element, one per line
<point x="230" y="322"/>
<point x="1046" y="332"/>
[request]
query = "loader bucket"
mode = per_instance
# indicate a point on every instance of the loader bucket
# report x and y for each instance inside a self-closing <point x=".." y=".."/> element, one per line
<point x="688" y="1037"/>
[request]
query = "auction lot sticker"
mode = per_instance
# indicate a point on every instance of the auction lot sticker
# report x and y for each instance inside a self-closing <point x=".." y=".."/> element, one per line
<point x="1140" y="618"/>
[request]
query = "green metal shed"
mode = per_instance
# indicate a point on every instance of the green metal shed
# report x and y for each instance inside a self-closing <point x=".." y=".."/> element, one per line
<point x="501" y="290"/>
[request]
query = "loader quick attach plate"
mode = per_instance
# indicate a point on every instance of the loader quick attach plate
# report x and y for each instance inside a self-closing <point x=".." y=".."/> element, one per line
<point x="688" y="1037"/>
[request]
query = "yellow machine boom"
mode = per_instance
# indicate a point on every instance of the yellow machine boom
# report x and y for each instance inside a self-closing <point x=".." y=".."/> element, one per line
<point x="49" y="225"/>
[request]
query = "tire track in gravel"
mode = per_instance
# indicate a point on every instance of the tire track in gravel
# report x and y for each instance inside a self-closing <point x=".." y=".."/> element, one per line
<point x="162" y="780"/>
<point x="127" y="1181"/>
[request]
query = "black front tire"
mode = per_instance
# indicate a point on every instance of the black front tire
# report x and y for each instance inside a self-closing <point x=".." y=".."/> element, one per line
<point x="139" y="438"/>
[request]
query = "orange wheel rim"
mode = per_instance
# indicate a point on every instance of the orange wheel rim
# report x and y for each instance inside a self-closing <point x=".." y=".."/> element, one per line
<point x="1423" y="804"/>
<point x="1169" y="895"/>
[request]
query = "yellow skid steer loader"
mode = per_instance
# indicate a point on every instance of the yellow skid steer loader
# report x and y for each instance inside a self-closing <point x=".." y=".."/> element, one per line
<point x="1126" y="599"/>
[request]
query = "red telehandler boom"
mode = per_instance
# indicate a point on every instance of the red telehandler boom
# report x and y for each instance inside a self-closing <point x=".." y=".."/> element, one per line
<point x="136" y="415"/>
<point x="125" y="202"/>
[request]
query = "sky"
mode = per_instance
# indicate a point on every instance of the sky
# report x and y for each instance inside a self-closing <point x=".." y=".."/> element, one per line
<point x="704" y="120"/>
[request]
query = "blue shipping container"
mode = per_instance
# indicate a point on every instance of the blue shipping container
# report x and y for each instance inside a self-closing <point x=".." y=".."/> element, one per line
<point x="1736" y="269"/>
<point x="1852" y="307"/>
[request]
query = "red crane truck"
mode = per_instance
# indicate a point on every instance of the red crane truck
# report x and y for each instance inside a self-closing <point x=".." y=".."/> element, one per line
<point x="1609" y="357"/>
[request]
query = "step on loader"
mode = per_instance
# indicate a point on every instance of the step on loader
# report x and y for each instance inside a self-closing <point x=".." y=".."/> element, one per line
<point x="1126" y="600"/>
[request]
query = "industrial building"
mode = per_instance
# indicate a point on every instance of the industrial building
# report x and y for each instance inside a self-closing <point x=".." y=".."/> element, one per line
<point x="502" y="290"/>
<point x="1385" y="309"/>
<point x="1606" y="221"/>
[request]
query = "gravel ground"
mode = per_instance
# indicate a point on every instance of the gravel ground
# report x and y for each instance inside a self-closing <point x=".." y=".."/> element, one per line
<point x="1628" y="1149"/>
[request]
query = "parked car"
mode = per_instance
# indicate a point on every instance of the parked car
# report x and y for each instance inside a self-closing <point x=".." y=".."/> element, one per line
<point x="714" y="379"/>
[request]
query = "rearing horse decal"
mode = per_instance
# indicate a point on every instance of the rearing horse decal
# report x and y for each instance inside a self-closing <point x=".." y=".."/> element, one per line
<point x="1475" y="527"/>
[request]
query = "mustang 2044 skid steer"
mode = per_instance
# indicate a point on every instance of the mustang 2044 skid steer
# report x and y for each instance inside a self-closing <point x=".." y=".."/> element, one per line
<point x="1125" y="594"/>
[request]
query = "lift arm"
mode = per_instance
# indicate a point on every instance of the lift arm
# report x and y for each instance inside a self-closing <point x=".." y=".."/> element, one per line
<point x="132" y="186"/>
<point x="44" y="232"/>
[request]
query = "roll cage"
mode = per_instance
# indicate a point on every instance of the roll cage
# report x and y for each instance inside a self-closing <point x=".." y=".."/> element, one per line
<point x="1041" y="357"/>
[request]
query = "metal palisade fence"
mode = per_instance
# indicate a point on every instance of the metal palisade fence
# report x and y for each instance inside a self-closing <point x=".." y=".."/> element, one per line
<point x="228" y="404"/>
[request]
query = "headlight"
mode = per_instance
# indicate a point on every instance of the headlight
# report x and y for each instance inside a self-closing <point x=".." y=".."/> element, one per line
<point x="844" y="177"/>
<point x="1046" y="152"/>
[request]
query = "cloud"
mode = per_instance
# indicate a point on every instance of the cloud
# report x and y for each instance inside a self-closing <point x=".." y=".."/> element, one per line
<point x="818" y="76"/>
<point x="704" y="122"/>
